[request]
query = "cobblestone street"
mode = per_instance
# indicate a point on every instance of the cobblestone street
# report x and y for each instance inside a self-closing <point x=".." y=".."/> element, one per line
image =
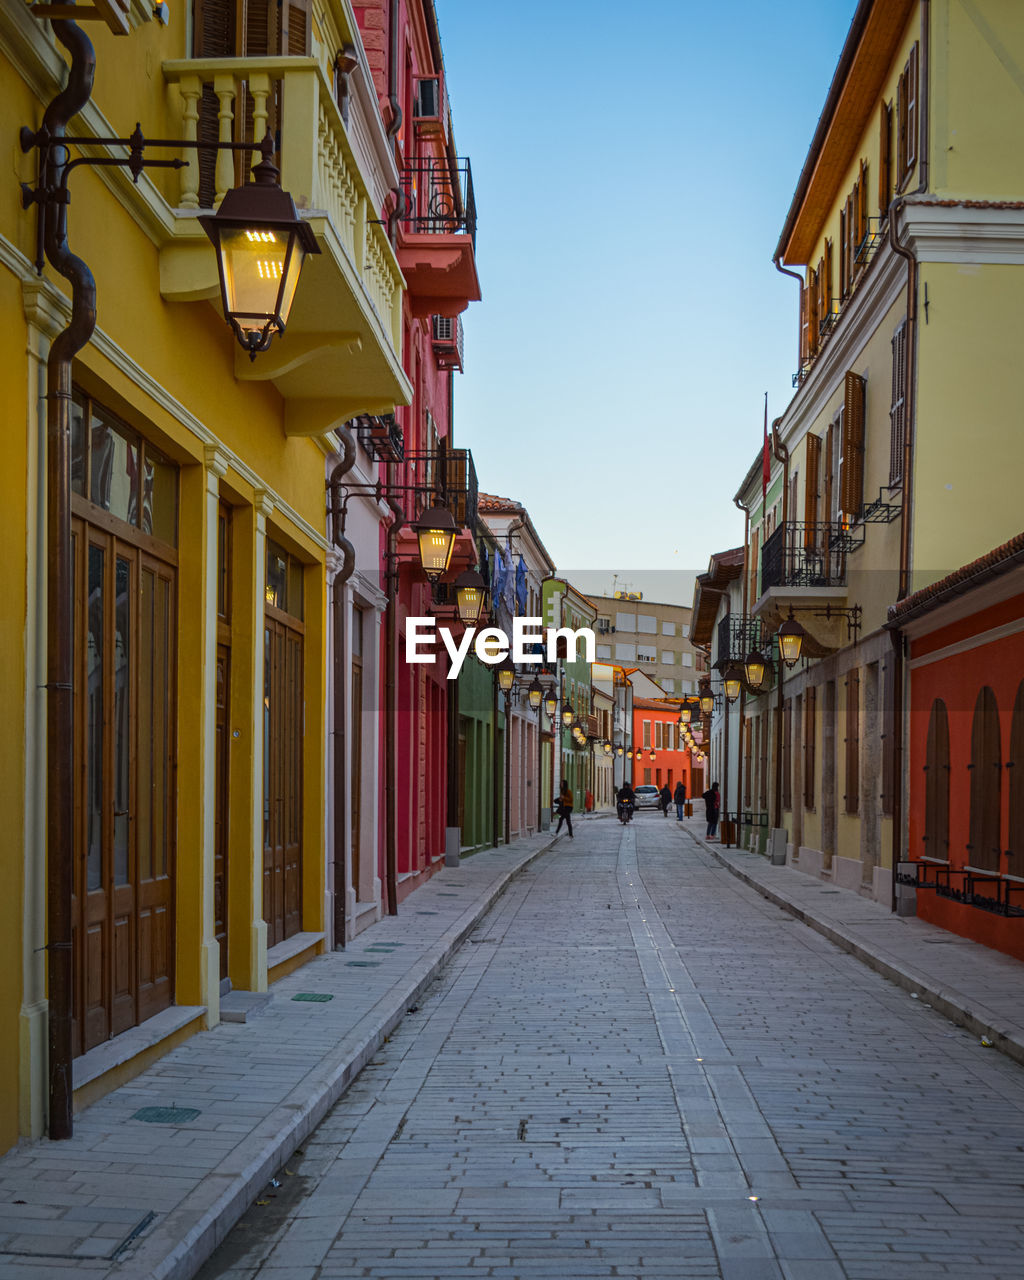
<point x="639" y="1067"/>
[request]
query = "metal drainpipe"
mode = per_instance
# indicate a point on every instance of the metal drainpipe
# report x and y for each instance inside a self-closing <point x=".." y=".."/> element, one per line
<point x="401" y="202"/>
<point x="782" y="454"/>
<point x="739" y="723"/>
<point x="495" y="762"/>
<point x="60" y="611"/>
<point x="390" y="752"/>
<point x="348" y="457"/>
<point x="910" y="403"/>
<point x="795" y="275"/>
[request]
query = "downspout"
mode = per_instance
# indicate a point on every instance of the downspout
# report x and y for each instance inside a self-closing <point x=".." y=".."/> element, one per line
<point x="910" y="401"/>
<point x="739" y="722"/>
<point x="390" y="727"/>
<point x="59" y="606"/>
<point x="401" y="201"/>
<point x="495" y="762"/>
<point x="782" y="454"/>
<point x="800" y="315"/>
<point x="348" y="564"/>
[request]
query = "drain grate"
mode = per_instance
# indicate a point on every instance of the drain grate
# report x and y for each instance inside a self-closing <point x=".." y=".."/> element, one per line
<point x="166" y="1115"/>
<point x="363" y="964"/>
<point x="313" y="997"/>
<point x="426" y="913"/>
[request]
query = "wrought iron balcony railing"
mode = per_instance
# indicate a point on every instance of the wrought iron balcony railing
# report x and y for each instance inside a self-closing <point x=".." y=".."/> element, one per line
<point x="737" y="636"/>
<point x="459" y="487"/>
<point x="381" y="436"/>
<point x="439" y="197"/>
<point x="798" y="554"/>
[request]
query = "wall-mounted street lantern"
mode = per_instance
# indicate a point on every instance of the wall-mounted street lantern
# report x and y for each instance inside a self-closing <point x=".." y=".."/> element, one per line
<point x="606" y="747"/>
<point x="618" y="752"/>
<point x="733" y="679"/>
<point x="551" y="702"/>
<point x="791" y="638"/>
<point x="754" y="667"/>
<point x="436" y="531"/>
<point x="261" y="243"/>
<point x="684" y="715"/>
<point x="534" y="693"/>
<point x="470" y="593"/>
<point x="506" y="675"/>
<point x="568" y="716"/>
<point x="629" y="754"/>
<point x="707" y="699"/>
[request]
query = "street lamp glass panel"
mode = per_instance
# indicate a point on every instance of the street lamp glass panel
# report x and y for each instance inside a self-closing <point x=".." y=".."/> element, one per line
<point x="707" y="703"/>
<point x="567" y="716"/>
<point x="436" y="532"/>
<point x="506" y="676"/>
<point x="732" y="682"/>
<point x="607" y="748"/>
<point x="629" y="754"/>
<point x="755" y="668"/>
<point x="618" y="752"/>
<point x="535" y="693"/>
<point x="684" y="715"/>
<point x="653" y="756"/>
<point x="550" y="703"/>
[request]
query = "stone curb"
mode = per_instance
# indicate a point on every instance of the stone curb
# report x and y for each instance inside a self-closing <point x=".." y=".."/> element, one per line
<point x="952" y="1004"/>
<point x="176" y="1250"/>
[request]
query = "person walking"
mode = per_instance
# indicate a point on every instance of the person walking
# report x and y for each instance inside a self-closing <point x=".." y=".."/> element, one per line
<point x="665" y="799"/>
<point x="712" y="807"/>
<point x="679" y="799"/>
<point x="565" y="809"/>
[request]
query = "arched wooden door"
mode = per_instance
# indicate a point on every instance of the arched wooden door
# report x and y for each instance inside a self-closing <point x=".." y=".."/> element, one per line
<point x="1015" y="770"/>
<point x="936" y="785"/>
<point x="985" y="848"/>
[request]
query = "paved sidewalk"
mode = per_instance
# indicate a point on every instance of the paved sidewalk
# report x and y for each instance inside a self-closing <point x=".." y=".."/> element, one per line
<point x="972" y="985"/>
<point x="127" y="1199"/>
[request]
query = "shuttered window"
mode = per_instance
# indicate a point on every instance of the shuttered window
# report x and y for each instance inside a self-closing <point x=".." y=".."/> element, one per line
<point x="787" y="754"/>
<point x="852" y="797"/>
<point x="826" y="284"/>
<point x="811" y="314"/>
<point x="884" y="157"/>
<point x="1015" y="771"/>
<point x="986" y="778"/>
<point x="912" y="113"/>
<point x="828" y="485"/>
<point x="888" y="735"/>
<point x="763" y="776"/>
<point x="748" y="727"/>
<point x="936" y="784"/>
<point x="851" y="495"/>
<point x="844" y="250"/>
<point x="811" y="488"/>
<point x="907" y="119"/>
<point x="810" y="699"/>
<point x="862" y="211"/>
<point x="897" y="410"/>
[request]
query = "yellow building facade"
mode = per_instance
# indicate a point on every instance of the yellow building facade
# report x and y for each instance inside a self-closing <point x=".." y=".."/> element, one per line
<point x="894" y="462"/>
<point x="198" y="529"/>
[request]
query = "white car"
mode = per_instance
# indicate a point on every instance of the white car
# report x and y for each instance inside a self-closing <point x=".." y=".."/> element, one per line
<point x="646" y="796"/>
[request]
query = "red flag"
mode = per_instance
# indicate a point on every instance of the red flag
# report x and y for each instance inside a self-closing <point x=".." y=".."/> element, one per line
<point x="766" y="457"/>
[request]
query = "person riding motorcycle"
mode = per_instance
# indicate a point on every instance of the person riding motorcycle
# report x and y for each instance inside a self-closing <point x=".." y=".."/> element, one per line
<point x="626" y="802"/>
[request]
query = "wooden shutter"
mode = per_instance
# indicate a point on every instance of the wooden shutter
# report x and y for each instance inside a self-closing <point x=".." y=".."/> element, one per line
<point x="295" y="28"/>
<point x="912" y="112"/>
<point x="826" y="314"/>
<point x="862" y="211"/>
<point x="748" y="733"/>
<point x="884" y="157"/>
<point x="897" y="410"/>
<point x="823" y="298"/>
<point x="851" y="480"/>
<point x="936" y="784"/>
<point x="901" y="128"/>
<point x="214" y="35"/>
<point x="811" y="489"/>
<point x="1015" y="766"/>
<point x="852" y="796"/>
<point x="986" y="778"/>
<point x="829" y="485"/>
<point x="260" y="36"/>
<point x="810" y="698"/>
<point x="888" y="735"/>
<point x="844" y="253"/>
<point x="812" y="312"/>
<point x="787" y="754"/>
<point x="766" y="720"/>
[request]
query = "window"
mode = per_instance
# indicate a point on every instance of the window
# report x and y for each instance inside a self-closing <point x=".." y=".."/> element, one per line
<point x="687" y="659"/>
<point x="851" y="465"/>
<point x="625" y="622"/>
<point x="668" y="628"/>
<point x="647" y="623"/>
<point x="787" y="754"/>
<point x="748" y="759"/>
<point x="852" y="796"/>
<point x="604" y="652"/>
<point x="884" y="157"/>
<point x="810" y="698"/>
<point x="647" y="733"/>
<point x="659" y="735"/>
<point x="936" y="784"/>
<point x="668" y="658"/>
<point x="668" y="684"/>
<point x="646" y="655"/>
<point x="897" y="410"/>
<point x="986" y="776"/>
<point x="604" y="626"/>
<point x="625" y="652"/>
<point x="906" y="119"/>
<point x="888" y="767"/>
<point x="684" y="630"/>
<point x="647" y="777"/>
<point x="763" y="768"/>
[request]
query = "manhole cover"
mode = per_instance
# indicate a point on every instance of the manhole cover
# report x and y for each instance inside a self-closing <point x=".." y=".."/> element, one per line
<point x="363" y="964"/>
<point x="166" y="1115"/>
<point x="313" y="997"/>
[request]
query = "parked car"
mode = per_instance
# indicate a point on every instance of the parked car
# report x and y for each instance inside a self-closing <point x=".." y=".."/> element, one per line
<point x="646" y="796"/>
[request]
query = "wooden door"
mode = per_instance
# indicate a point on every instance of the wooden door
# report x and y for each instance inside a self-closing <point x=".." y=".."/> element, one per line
<point x="123" y="859"/>
<point x="936" y="783"/>
<point x="986" y="777"/>
<point x="282" y="774"/>
<point x="220" y="812"/>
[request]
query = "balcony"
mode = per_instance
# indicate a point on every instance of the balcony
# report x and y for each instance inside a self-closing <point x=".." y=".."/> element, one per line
<point x="737" y="636"/>
<point x="460" y="490"/>
<point x="448" y="341"/>
<point x="342" y="353"/>
<point x="437" y="235"/>
<point x="381" y="436"/>
<point x="804" y="566"/>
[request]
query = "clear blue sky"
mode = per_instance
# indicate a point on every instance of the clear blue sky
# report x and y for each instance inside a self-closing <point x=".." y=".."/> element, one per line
<point x="633" y="167"/>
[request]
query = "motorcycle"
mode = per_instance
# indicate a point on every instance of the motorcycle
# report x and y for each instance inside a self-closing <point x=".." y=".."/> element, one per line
<point x="625" y="812"/>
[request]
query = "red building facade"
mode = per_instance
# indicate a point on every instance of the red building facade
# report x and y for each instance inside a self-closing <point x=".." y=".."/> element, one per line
<point x="432" y="221"/>
<point x="659" y="755"/>
<point x="965" y="667"/>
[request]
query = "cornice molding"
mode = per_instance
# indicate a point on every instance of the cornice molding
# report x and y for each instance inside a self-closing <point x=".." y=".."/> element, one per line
<point x="962" y="233"/>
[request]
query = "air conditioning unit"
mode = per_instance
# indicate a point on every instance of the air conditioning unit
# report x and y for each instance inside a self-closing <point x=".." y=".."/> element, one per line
<point x="448" y="342"/>
<point x="428" y="106"/>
